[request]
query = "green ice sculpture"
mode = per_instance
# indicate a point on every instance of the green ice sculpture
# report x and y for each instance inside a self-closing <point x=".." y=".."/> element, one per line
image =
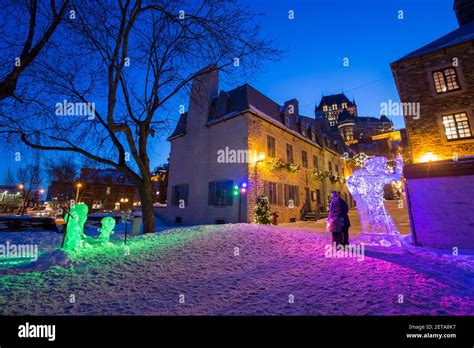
<point x="108" y="224"/>
<point x="76" y="219"/>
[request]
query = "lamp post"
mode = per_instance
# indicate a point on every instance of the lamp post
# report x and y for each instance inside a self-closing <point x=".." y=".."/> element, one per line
<point x="79" y="185"/>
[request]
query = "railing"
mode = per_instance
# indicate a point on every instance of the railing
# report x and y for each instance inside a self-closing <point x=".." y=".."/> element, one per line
<point x="304" y="210"/>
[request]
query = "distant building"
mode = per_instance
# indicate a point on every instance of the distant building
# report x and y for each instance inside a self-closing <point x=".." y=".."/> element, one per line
<point x="332" y="106"/>
<point x="241" y="140"/>
<point x="106" y="189"/>
<point x="159" y="179"/>
<point x="342" y="115"/>
<point x="440" y="182"/>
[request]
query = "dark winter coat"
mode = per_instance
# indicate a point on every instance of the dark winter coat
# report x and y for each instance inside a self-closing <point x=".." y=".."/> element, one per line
<point x="338" y="218"/>
<point x="345" y="212"/>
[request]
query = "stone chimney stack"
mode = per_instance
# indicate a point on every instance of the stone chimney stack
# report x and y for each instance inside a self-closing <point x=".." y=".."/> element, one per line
<point x="292" y="107"/>
<point x="204" y="88"/>
<point x="464" y="11"/>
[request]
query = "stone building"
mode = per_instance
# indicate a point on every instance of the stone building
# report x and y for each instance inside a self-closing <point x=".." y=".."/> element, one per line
<point x="440" y="77"/>
<point x="231" y="146"/>
<point x="439" y="183"/>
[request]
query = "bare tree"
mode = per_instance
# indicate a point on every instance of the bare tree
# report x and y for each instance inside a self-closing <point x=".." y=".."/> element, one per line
<point x="30" y="180"/>
<point x="130" y="62"/>
<point x="23" y="47"/>
<point x="64" y="171"/>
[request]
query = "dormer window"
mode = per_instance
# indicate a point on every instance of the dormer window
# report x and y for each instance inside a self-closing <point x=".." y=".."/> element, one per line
<point x="446" y="80"/>
<point x="334" y="106"/>
<point x="344" y="105"/>
<point x="325" y="108"/>
<point x="288" y="121"/>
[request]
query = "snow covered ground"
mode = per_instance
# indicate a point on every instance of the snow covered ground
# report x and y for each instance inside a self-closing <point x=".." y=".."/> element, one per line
<point x="242" y="269"/>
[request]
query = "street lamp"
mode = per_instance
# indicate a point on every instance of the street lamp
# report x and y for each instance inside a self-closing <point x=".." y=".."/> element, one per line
<point x="79" y="185"/>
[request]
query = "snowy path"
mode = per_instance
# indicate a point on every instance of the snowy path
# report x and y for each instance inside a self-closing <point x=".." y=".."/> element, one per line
<point x="273" y="263"/>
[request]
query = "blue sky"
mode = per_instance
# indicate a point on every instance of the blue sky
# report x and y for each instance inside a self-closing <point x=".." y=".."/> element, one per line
<point x="322" y="34"/>
<point x="367" y="32"/>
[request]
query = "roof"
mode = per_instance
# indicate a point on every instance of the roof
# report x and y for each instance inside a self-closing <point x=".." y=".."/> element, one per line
<point x="458" y="36"/>
<point x="383" y="118"/>
<point x="231" y="103"/>
<point x="334" y="99"/>
<point x="345" y="116"/>
<point x="240" y="99"/>
<point x="180" y="126"/>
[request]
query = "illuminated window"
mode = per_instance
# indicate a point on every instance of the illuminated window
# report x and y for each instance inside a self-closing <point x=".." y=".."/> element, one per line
<point x="325" y="108"/>
<point x="344" y="105"/>
<point x="446" y="80"/>
<point x="456" y="126"/>
<point x="334" y="106"/>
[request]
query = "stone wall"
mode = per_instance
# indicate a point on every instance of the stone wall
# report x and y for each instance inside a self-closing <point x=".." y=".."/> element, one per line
<point x="259" y="129"/>
<point x="443" y="223"/>
<point x="415" y="84"/>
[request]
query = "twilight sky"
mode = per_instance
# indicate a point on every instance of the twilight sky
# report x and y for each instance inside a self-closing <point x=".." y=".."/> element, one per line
<point x="322" y="34"/>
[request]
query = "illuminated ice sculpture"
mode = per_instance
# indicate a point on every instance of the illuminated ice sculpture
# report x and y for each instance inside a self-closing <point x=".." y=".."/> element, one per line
<point x="75" y="219"/>
<point x="366" y="186"/>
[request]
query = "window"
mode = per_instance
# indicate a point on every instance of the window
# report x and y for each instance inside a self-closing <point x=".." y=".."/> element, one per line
<point x="344" y="105"/>
<point x="289" y="153"/>
<point x="220" y="193"/>
<point x="330" y="166"/>
<point x="446" y="80"/>
<point x="337" y="169"/>
<point x="334" y="106"/>
<point x="270" y="146"/>
<point x="292" y="194"/>
<point x="304" y="158"/>
<point x="288" y="121"/>
<point x="325" y="108"/>
<point x="97" y="204"/>
<point x="270" y="189"/>
<point x="315" y="162"/>
<point x="456" y="126"/>
<point x="180" y="192"/>
<point x="318" y="196"/>
<point x="303" y="130"/>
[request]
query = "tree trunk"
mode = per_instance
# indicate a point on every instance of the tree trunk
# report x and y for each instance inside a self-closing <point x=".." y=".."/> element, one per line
<point x="148" y="213"/>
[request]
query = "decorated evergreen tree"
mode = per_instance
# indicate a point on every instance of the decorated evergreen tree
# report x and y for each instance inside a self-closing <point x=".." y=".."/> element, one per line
<point x="263" y="211"/>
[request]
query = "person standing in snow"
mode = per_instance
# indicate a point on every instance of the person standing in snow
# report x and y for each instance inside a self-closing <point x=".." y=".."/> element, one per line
<point x="335" y="220"/>
<point x="347" y="222"/>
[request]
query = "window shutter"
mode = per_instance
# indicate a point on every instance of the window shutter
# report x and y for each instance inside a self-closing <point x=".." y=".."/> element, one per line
<point x="266" y="189"/>
<point x="286" y="195"/>
<point x="280" y="194"/>
<point x="297" y="196"/>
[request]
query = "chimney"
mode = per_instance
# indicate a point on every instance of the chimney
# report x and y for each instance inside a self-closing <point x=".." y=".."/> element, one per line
<point x="464" y="11"/>
<point x="292" y="107"/>
<point x="204" y="88"/>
